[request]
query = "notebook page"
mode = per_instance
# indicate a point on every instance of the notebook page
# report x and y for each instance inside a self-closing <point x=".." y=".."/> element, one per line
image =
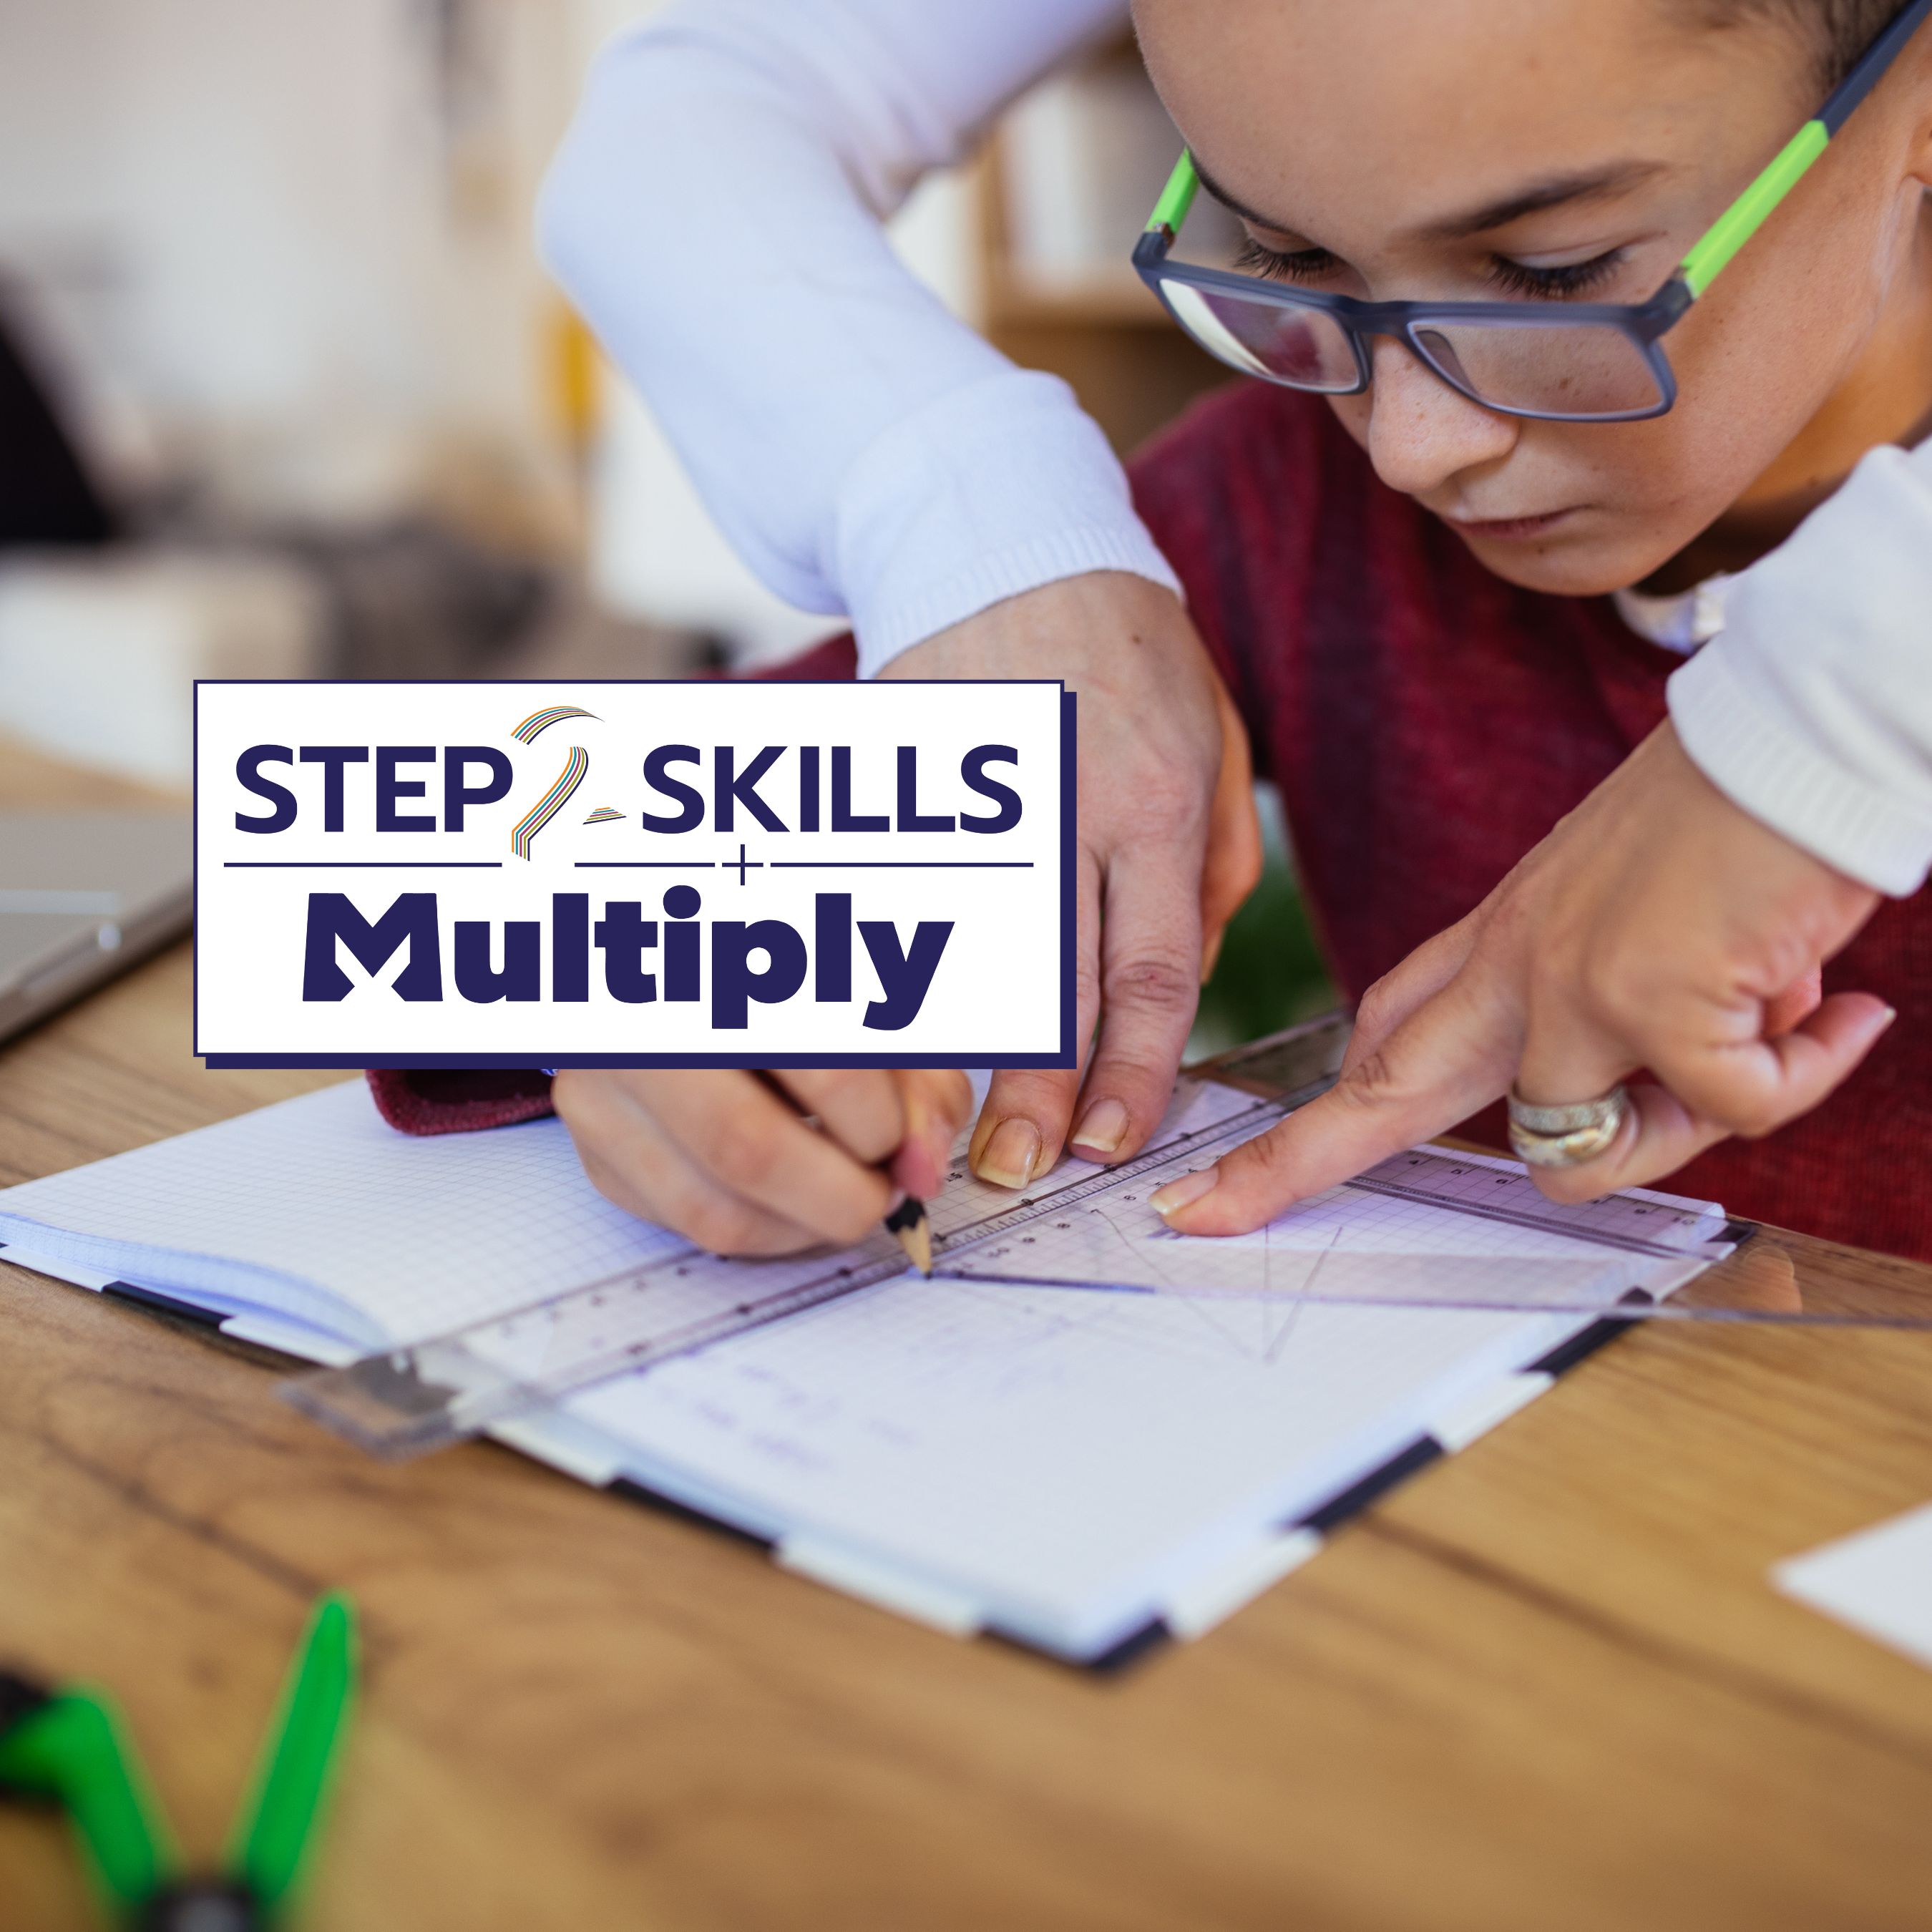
<point x="317" y="1209"/>
<point x="1065" y="1457"/>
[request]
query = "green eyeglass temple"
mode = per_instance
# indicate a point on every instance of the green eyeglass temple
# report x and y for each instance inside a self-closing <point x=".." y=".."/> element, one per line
<point x="1744" y="217"/>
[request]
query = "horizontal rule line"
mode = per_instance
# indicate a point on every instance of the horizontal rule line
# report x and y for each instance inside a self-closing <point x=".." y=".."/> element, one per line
<point x="635" y="865"/>
<point x="358" y="865"/>
<point x="903" y="865"/>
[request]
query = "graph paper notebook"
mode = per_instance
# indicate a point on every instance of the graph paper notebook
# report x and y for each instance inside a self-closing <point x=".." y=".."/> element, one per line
<point x="1070" y="1467"/>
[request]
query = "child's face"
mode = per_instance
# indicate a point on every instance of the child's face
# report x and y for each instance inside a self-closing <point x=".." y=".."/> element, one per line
<point x="1370" y="132"/>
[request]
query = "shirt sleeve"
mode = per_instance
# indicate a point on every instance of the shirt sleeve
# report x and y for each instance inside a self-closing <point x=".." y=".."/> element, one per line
<point x="1813" y="708"/>
<point x="715" y="213"/>
<point x="457" y="1100"/>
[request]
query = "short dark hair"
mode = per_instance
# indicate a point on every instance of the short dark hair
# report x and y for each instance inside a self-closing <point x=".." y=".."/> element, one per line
<point x="1835" y="32"/>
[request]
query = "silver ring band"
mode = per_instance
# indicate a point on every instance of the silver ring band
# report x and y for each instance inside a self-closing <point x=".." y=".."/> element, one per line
<point x="1568" y="1135"/>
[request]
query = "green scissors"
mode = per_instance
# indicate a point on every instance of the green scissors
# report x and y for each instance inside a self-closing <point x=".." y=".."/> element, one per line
<point x="70" y="1747"/>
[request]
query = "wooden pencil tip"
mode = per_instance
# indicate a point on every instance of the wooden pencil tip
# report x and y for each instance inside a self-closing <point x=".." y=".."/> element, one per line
<point x="913" y="1233"/>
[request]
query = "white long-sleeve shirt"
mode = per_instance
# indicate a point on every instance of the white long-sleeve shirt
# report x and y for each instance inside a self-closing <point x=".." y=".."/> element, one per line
<point x="1812" y="708"/>
<point x="715" y="213"/>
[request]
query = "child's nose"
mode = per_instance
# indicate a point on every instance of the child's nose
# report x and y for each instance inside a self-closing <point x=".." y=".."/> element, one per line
<point x="1421" y="432"/>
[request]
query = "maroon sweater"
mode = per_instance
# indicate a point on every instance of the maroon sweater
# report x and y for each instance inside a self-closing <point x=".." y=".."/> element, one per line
<point x="1428" y="724"/>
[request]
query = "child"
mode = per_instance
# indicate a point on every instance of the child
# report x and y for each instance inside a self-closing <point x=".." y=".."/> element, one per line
<point x="1406" y="590"/>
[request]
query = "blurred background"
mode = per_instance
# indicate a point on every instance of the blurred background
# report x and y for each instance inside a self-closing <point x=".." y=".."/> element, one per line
<point x="284" y="392"/>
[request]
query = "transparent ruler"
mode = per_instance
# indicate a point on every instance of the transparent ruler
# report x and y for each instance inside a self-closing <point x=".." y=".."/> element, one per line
<point x="1426" y="1229"/>
<point x="408" y="1401"/>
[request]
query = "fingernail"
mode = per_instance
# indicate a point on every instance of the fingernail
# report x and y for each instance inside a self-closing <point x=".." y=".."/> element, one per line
<point x="898" y="1201"/>
<point x="1007" y="1158"/>
<point x="1104" y="1127"/>
<point x="1180" y="1193"/>
<point x="1210" y="957"/>
<point x="1891" y="1014"/>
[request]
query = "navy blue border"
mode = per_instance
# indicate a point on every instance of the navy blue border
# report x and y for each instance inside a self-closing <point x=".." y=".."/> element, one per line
<point x="1067" y="1056"/>
<point x="155" y="1302"/>
<point x="1366" y="1491"/>
<point x="628" y="1490"/>
<point x="1565" y="1357"/>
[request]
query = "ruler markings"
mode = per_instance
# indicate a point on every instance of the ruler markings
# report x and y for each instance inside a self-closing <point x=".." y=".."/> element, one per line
<point x="605" y="1353"/>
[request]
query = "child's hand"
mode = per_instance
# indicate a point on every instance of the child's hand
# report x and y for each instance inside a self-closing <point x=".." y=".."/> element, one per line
<point x="1659" y="926"/>
<point x="729" y="1161"/>
<point x="1169" y="847"/>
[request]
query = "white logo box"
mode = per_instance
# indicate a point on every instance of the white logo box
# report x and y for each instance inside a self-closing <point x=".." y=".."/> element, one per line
<point x="515" y="874"/>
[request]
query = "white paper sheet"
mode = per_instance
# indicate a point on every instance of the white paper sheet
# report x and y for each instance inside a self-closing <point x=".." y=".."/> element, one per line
<point x="1879" y="1582"/>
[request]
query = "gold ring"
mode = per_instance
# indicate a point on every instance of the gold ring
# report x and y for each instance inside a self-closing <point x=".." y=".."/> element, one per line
<point x="1570" y="1135"/>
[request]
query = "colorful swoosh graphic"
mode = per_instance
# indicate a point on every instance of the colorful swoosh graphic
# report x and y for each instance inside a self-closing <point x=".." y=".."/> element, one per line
<point x="553" y="801"/>
<point x="538" y="722"/>
<point x="603" y="813"/>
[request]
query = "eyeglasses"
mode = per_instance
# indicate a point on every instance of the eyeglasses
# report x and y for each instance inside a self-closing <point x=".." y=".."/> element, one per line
<point x="1552" y="362"/>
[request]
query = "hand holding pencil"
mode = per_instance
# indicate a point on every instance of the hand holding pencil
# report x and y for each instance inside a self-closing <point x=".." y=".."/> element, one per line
<point x="767" y="1163"/>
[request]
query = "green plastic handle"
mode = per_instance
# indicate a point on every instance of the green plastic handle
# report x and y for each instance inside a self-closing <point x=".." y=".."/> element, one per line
<point x="74" y="1751"/>
<point x="273" y="1834"/>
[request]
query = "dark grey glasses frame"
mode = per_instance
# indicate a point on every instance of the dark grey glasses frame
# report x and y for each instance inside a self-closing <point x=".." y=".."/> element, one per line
<point x="1642" y="324"/>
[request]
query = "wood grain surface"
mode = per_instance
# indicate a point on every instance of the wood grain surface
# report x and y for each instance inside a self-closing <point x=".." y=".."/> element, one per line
<point x="1544" y="1684"/>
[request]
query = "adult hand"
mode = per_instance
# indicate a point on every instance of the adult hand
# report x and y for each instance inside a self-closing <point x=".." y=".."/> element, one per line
<point x="731" y="1161"/>
<point x="1168" y="846"/>
<point x="1658" y="926"/>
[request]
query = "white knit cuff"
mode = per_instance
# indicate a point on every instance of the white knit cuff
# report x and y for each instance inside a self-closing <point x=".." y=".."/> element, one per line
<point x="996" y="488"/>
<point x="1750" y="754"/>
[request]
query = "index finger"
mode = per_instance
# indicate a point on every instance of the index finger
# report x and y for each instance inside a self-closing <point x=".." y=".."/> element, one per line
<point x="936" y="1105"/>
<point x="861" y="1107"/>
<point x="1452" y="1055"/>
<point x="1150" y="987"/>
<point x="1662" y="1131"/>
<point x="738" y="1133"/>
<point x="1020" y="1126"/>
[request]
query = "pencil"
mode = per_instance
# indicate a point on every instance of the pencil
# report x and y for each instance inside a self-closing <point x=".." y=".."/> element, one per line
<point x="907" y="1224"/>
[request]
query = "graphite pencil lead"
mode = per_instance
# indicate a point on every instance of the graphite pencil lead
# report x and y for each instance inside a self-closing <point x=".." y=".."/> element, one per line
<point x="914" y="1232"/>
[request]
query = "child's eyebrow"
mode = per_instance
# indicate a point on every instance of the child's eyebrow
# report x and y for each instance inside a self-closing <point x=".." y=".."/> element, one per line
<point x="1599" y="183"/>
<point x="1615" y="178"/>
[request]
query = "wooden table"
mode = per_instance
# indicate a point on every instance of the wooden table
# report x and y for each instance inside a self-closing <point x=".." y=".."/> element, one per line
<point x="1546" y="1685"/>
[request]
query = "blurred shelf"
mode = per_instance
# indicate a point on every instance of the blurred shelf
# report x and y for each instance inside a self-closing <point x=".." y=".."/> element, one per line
<point x="1017" y="302"/>
<point x="1103" y="333"/>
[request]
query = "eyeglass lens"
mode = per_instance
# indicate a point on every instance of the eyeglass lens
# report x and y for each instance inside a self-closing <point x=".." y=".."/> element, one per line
<point x="1304" y="348"/>
<point x="1579" y="370"/>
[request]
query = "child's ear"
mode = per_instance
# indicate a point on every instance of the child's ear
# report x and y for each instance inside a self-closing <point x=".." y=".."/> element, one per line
<point x="1920" y="159"/>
